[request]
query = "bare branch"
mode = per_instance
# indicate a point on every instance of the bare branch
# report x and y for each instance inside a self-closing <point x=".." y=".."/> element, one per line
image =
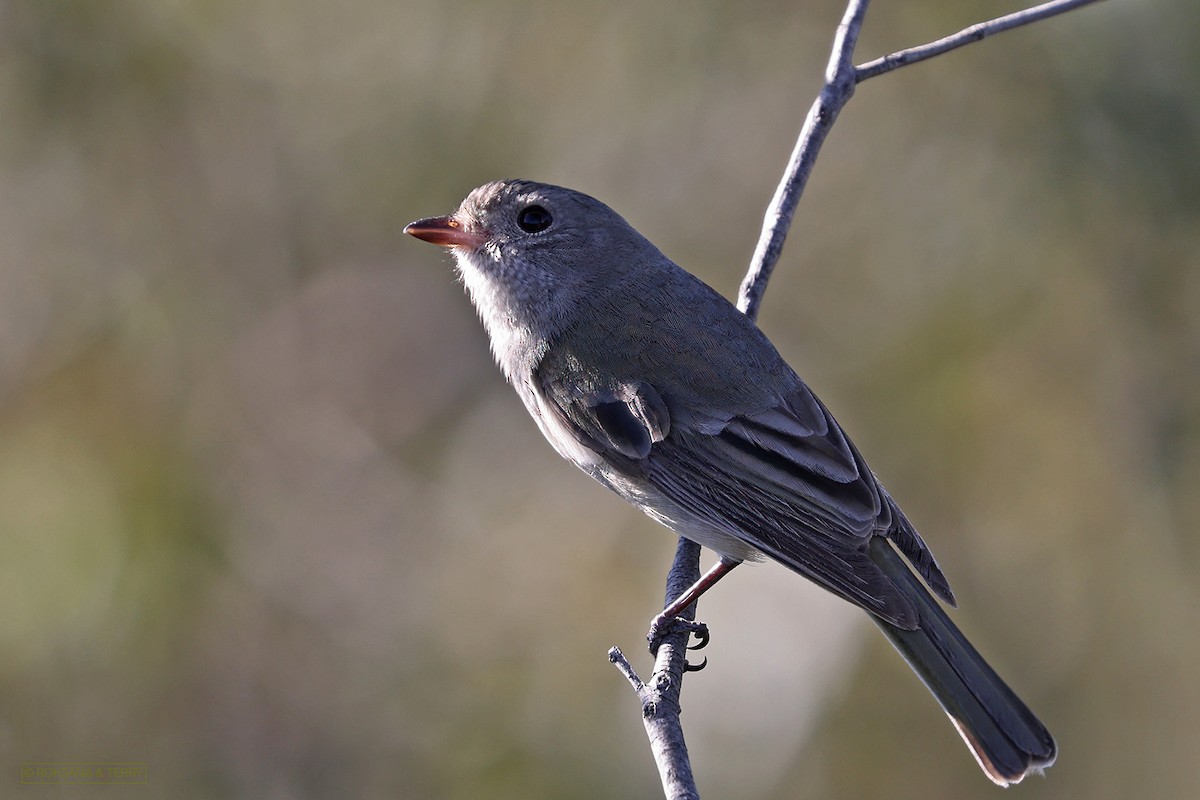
<point x="974" y="33"/>
<point x="840" y="82"/>
<point x="839" y="86"/>
<point x="660" y="696"/>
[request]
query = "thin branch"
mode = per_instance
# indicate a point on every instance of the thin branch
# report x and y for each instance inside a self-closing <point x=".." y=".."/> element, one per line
<point x="838" y="88"/>
<point x="840" y="81"/>
<point x="974" y="33"/>
<point x="660" y="696"/>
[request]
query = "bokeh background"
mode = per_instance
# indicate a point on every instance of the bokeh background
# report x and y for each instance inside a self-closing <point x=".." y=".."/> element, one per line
<point x="272" y="524"/>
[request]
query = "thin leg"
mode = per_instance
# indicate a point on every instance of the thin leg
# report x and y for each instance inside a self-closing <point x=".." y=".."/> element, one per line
<point x="669" y="616"/>
<point x="706" y="582"/>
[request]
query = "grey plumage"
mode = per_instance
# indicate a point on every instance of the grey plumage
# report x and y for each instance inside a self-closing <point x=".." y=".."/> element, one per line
<point x="657" y="386"/>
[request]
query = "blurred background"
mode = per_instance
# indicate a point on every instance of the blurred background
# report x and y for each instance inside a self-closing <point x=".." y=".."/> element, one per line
<point x="273" y="524"/>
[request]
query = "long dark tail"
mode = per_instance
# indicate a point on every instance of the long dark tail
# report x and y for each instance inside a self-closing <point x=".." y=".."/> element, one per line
<point x="1007" y="739"/>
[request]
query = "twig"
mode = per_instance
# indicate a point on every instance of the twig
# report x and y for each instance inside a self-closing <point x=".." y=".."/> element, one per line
<point x="838" y="88"/>
<point x="660" y="696"/>
<point x="840" y="80"/>
<point x="974" y="33"/>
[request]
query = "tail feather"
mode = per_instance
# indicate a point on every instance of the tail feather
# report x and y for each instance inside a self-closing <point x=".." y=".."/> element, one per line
<point x="1008" y="741"/>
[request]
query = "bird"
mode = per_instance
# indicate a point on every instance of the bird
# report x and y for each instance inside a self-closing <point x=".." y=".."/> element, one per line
<point x="660" y="389"/>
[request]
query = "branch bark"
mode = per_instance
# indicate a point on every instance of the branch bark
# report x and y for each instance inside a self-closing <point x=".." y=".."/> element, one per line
<point x="841" y="78"/>
<point x="660" y="697"/>
<point x="839" y="87"/>
<point x="974" y="33"/>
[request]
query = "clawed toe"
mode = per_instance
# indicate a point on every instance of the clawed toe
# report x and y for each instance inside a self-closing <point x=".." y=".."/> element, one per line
<point x="663" y="626"/>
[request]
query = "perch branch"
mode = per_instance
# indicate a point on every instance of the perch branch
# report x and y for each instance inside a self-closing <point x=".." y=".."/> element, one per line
<point x="660" y="697"/>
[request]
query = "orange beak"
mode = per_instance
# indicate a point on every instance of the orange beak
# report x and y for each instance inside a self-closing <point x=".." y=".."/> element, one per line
<point x="445" y="232"/>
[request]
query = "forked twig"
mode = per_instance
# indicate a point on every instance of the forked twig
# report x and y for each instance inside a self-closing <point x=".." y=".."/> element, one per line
<point x="660" y="696"/>
<point x="841" y="78"/>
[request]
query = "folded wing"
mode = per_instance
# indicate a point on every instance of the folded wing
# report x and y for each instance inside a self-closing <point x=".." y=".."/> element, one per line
<point x="785" y="480"/>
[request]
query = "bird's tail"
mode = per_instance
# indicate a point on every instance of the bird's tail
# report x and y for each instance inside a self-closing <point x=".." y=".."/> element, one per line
<point x="1006" y="738"/>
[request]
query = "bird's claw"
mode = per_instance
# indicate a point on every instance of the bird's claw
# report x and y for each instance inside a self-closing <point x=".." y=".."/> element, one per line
<point x="661" y="627"/>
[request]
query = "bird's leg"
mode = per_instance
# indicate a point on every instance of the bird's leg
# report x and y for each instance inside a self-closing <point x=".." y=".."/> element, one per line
<point x="669" y="619"/>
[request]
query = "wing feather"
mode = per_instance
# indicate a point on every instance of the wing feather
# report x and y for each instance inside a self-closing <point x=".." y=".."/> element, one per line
<point x="785" y="480"/>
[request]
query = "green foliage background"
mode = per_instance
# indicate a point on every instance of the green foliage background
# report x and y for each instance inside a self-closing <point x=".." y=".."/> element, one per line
<point x="271" y="523"/>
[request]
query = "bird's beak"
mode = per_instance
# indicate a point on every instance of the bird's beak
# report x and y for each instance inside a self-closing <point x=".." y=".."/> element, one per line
<point x="444" y="231"/>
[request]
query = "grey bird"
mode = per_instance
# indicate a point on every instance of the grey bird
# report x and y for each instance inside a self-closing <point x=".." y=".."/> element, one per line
<point x="659" y="388"/>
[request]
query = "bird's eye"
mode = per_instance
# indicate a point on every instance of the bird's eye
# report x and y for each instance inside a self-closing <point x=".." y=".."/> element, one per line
<point x="533" y="219"/>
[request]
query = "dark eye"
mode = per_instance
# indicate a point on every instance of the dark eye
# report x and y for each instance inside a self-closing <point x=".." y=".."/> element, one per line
<point x="534" y="218"/>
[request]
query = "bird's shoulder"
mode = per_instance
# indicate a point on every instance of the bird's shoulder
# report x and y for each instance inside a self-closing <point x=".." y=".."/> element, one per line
<point x="678" y="335"/>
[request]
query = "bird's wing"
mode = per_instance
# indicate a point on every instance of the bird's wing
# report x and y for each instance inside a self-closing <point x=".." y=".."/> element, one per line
<point x="785" y="480"/>
<point x="625" y="418"/>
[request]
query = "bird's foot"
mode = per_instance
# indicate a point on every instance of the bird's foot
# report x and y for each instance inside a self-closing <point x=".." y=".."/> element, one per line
<point x="663" y="626"/>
